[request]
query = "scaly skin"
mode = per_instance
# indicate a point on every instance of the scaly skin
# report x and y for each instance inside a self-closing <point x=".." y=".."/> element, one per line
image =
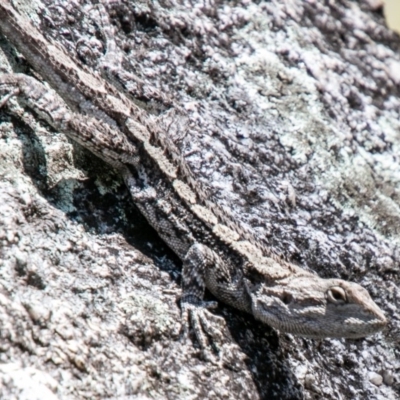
<point x="223" y="259"/>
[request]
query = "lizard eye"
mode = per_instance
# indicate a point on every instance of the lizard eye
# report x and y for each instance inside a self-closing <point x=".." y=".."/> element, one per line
<point x="286" y="298"/>
<point x="336" y="295"/>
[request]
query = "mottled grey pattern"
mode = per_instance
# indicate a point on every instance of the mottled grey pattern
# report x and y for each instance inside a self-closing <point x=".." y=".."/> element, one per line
<point x="237" y="147"/>
<point x="272" y="290"/>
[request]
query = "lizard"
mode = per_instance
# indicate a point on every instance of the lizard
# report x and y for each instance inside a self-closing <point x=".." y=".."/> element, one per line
<point x="216" y="253"/>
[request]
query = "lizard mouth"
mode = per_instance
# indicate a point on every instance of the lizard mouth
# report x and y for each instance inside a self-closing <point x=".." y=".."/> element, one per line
<point x="346" y="331"/>
<point x="350" y="328"/>
<point x="320" y="321"/>
<point x="368" y="328"/>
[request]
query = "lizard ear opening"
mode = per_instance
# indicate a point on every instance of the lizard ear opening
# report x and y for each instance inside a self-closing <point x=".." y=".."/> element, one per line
<point x="336" y="295"/>
<point x="286" y="298"/>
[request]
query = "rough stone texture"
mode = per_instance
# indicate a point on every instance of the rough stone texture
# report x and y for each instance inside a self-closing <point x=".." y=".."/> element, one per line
<point x="293" y="123"/>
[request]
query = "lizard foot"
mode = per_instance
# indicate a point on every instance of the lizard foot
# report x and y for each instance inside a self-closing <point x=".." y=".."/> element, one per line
<point x="7" y="97"/>
<point x="208" y="328"/>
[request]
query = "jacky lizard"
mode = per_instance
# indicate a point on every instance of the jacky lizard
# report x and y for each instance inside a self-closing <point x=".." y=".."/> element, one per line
<point x="216" y="253"/>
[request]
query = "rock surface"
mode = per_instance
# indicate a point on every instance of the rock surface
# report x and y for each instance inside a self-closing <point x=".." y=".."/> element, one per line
<point x="291" y="118"/>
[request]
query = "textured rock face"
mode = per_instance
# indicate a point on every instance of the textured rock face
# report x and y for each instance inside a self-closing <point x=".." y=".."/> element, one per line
<point x="290" y="114"/>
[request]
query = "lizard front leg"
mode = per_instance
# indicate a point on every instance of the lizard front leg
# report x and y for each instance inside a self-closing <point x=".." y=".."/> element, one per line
<point x="203" y="268"/>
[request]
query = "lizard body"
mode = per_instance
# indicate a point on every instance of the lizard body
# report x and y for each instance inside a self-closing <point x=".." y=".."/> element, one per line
<point x="216" y="253"/>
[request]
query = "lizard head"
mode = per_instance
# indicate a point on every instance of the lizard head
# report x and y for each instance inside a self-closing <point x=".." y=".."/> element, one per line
<point x="314" y="307"/>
